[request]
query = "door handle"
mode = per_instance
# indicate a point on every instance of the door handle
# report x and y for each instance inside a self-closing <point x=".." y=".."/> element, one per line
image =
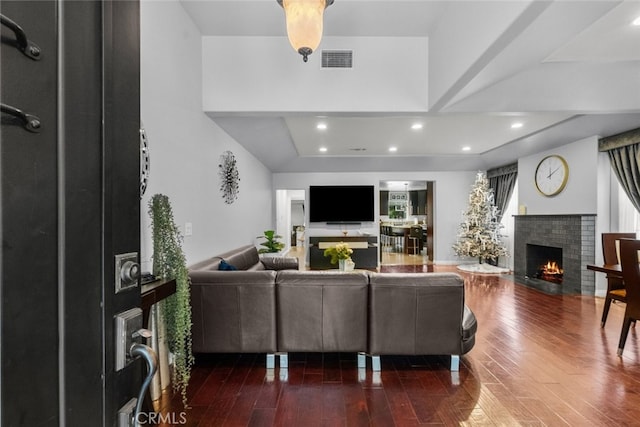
<point x="149" y="356"/>
<point x="26" y="46"/>
<point x="28" y="121"/>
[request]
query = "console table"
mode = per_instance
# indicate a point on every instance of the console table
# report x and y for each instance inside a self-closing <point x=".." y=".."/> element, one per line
<point x="154" y="292"/>
<point x="365" y="251"/>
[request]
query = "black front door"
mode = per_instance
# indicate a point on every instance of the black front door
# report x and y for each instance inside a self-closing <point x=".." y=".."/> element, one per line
<point x="69" y="188"/>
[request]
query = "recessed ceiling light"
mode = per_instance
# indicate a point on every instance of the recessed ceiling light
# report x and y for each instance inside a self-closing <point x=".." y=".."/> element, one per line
<point x="466" y="148"/>
<point x="516" y="125"/>
<point x="321" y="126"/>
<point x="416" y="126"/>
<point x="393" y="149"/>
<point x="322" y="149"/>
<point x="636" y="22"/>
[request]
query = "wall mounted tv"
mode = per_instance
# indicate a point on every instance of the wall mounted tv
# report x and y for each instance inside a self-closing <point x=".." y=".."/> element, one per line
<point x="341" y="204"/>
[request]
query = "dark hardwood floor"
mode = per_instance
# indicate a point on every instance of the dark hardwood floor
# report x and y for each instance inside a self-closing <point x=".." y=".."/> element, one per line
<point x="539" y="360"/>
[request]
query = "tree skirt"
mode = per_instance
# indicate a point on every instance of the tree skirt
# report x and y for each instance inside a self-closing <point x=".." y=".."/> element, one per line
<point x="483" y="268"/>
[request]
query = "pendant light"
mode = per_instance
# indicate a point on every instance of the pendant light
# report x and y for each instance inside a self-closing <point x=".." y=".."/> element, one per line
<point x="304" y="23"/>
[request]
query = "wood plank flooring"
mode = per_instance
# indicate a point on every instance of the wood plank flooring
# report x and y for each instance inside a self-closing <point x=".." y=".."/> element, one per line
<point x="539" y="360"/>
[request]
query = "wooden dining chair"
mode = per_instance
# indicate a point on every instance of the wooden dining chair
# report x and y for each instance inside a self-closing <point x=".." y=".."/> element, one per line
<point x="615" y="285"/>
<point x="631" y="275"/>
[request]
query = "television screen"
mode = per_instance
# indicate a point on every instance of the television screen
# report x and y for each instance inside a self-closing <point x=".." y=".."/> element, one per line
<point x="341" y="203"/>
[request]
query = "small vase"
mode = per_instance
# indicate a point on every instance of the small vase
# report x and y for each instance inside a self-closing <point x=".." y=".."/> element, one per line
<point x="346" y="264"/>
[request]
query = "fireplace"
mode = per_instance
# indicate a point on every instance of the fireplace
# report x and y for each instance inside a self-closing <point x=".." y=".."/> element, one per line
<point x="571" y="237"/>
<point x="544" y="263"/>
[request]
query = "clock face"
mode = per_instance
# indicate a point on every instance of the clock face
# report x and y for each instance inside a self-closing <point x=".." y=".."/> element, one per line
<point x="551" y="175"/>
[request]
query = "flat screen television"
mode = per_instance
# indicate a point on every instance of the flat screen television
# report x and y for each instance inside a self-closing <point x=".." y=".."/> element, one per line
<point x="341" y="204"/>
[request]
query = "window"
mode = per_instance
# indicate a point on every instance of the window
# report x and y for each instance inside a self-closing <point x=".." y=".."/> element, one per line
<point x="628" y="216"/>
<point x="508" y="231"/>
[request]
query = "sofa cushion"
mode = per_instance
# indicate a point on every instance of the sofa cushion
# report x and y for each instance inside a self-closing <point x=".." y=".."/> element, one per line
<point x="233" y="311"/>
<point x="243" y="258"/>
<point x="246" y="258"/>
<point x="322" y="311"/>
<point x="417" y="313"/>
<point x="278" y="263"/>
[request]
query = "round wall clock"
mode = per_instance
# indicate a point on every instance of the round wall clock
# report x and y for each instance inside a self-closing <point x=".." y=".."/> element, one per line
<point x="145" y="162"/>
<point x="229" y="177"/>
<point x="552" y="174"/>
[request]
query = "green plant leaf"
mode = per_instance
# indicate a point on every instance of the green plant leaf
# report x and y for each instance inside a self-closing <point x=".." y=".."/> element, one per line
<point x="169" y="262"/>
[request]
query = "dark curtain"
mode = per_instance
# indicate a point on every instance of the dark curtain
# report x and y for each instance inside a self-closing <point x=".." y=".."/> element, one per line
<point x="624" y="153"/>
<point x="502" y="180"/>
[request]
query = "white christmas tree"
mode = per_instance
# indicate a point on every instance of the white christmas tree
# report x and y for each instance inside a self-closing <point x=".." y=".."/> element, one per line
<point x="479" y="235"/>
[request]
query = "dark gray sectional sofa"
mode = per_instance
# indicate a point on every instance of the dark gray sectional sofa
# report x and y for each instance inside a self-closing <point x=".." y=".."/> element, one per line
<point x="269" y="306"/>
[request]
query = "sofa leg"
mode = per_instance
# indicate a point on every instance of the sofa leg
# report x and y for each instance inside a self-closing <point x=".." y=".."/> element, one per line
<point x="362" y="374"/>
<point x="271" y="360"/>
<point x="455" y="363"/>
<point x="375" y="363"/>
<point x="284" y="360"/>
<point x="362" y="360"/>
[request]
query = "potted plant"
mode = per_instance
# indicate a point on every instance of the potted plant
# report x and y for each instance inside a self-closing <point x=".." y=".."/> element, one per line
<point x="271" y="243"/>
<point x="341" y="254"/>
<point x="169" y="262"/>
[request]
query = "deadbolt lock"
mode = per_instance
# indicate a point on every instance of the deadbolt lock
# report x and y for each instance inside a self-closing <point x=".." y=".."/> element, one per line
<point x="127" y="271"/>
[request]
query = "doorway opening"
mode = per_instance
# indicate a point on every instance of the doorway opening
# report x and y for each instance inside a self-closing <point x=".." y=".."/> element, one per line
<point x="406" y="222"/>
<point x="290" y="217"/>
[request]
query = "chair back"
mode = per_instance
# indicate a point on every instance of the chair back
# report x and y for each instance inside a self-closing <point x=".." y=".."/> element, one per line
<point x="631" y="274"/>
<point x="415" y="232"/>
<point x="611" y="246"/>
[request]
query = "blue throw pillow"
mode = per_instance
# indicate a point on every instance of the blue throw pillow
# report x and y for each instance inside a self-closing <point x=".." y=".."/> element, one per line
<point x="224" y="265"/>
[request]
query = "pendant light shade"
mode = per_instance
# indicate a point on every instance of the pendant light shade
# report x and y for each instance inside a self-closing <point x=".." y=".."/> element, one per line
<point x="304" y="23"/>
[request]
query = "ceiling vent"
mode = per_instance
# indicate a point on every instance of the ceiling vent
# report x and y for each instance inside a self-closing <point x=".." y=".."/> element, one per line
<point x="337" y="59"/>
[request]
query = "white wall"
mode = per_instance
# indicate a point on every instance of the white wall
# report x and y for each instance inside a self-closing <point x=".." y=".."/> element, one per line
<point x="580" y="195"/>
<point x="452" y="52"/>
<point x="451" y="191"/>
<point x="267" y="75"/>
<point x="185" y="145"/>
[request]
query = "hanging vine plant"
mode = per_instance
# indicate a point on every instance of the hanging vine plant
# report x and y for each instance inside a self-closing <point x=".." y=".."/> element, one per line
<point x="169" y="262"/>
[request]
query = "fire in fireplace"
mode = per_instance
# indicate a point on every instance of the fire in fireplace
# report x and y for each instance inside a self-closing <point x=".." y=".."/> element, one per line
<point x="544" y="263"/>
<point x="550" y="272"/>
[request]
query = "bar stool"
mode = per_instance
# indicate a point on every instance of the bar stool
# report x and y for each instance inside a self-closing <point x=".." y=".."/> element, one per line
<point x="397" y="239"/>
<point x="384" y="237"/>
<point x="415" y="237"/>
<point x="387" y="237"/>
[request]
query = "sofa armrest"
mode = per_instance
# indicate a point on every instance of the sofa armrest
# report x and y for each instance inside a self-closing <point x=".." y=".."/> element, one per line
<point x="469" y="328"/>
<point x="279" y="263"/>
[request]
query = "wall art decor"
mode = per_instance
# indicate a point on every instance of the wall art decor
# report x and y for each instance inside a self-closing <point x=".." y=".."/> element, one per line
<point x="145" y="161"/>
<point x="229" y="177"/>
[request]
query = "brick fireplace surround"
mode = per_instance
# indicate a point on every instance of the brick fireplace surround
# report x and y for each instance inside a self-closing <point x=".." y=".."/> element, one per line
<point x="574" y="234"/>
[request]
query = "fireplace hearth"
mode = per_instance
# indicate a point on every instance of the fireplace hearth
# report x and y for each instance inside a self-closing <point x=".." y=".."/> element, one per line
<point x="571" y="237"/>
<point x="544" y="263"/>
